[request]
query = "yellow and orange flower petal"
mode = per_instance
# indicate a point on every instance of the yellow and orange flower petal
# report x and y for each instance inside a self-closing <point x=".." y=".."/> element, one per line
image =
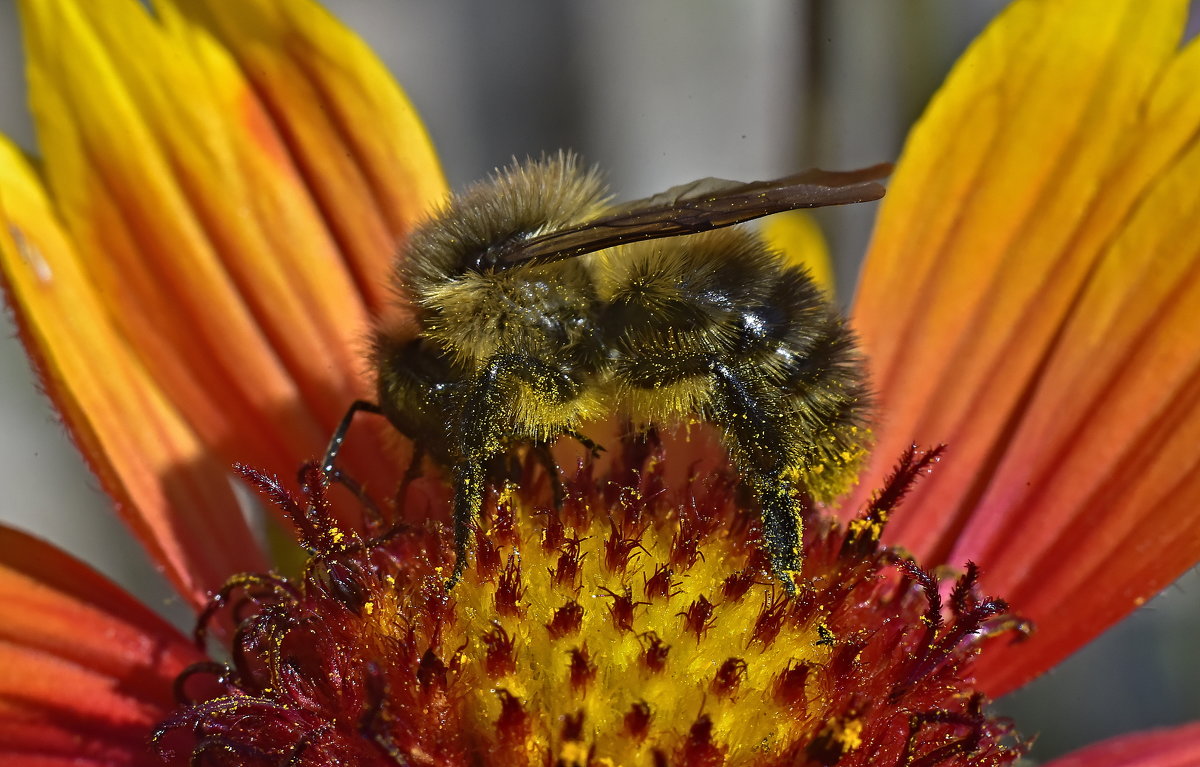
<point x="1030" y="299"/>
<point x="212" y="225"/>
<point x="1175" y="747"/>
<point x="346" y="123"/>
<point x="85" y="670"/>
<point x="167" y="486"/>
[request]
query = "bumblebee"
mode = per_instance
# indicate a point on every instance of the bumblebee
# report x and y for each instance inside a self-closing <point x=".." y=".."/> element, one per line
<point x="540" y="306"/>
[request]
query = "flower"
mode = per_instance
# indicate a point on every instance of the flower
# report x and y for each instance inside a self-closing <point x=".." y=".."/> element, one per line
<point x="638" y="624"/>
<point x="209" y="229"/>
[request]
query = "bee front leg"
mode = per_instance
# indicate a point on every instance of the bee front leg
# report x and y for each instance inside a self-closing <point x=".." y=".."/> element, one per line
<point x="485" y="426"/>
<point x="541" y="452"/>
<point x="468" y="499"/>
<point x="339" y="434"/>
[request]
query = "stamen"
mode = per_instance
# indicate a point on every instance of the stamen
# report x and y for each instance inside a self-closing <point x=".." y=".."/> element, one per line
<point x="543" y="654"/>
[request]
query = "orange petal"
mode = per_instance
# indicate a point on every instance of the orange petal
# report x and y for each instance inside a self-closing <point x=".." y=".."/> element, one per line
<point x="1175" y="747"/>
<point x="350" y="128"/>
<point x="205" y="221"/>
<point x="85" y="670"/>
<point x="1026" y="300"/>
<point x="176" y="499"/>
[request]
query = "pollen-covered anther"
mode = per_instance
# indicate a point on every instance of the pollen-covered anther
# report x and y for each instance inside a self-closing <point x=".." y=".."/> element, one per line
<point x="685" y="551"/>
<point x="790" y="688"/>
<point x="654" y="656"/>
<point x="554" y="533"/>
<point x="509" y="589"/>
<point x="514" y="725"/>
<point x="735" y="586"/>
<point x="699" y="749"/>
<point x="637" y="720"/>
<point x="431" y="673"/>
<point x="619" y="547"/>
<point x="499" y="656"/>
<point x="650" y="635"/>
<point x="567" y="620"/>
<point x="504" y="520"/>
<point x="487" y="557"/>
<point x="572" y="727"/>
<point x="770" y="619"/>
<point x="729" y="678"/>
<point x="567" y="566"/>
<point x="699" y="616"/>
<point x="659" y="585"/>
<point x="582" y="670"/>
<point x="622" y="608"/>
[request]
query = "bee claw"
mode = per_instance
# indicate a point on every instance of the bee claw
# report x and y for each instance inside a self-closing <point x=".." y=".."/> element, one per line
<point x="786" y="576"/>
<point x="593" y="447"/>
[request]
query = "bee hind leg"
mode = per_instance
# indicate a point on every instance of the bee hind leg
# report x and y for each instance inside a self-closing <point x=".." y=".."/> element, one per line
<point x="782" y="527"/>
<point x="411" y="474"/>
<point x="758" y="436"/>
<point x="593" y="447"/>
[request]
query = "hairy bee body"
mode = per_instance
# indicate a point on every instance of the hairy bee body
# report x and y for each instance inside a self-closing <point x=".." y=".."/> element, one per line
<point x="512" y="348"/>
<point x="719" y="326"/>
<point x="472" y="318"/>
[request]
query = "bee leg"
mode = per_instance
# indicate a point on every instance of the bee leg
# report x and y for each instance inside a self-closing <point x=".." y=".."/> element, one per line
<point x="339" y="434"/>
<point x="595" y="448"/>
<point x="638" y="444"/>
<point x="413" y="472"/>
<point x="414" y="466"/>
<point x="484" y="426"/>
<point x="468" y="498"/>
<point x="330" y="472"/>
<point x="759" y="435"/>
<point x="372" y="514"/>
<point x="782" y="527"/>
<point x="541" y="452"/>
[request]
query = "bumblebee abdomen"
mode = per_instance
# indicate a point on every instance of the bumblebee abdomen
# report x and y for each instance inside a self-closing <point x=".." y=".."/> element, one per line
<point x="718" y="326"/>
<point x="669" y="309"/>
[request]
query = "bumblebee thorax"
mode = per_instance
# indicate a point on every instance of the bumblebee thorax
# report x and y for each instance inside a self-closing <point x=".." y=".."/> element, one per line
<point x="538" y="311"/>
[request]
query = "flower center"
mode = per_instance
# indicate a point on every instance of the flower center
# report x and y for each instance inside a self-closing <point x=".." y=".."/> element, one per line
<point x="637" y="624"/>
<point x="628" y="633"/>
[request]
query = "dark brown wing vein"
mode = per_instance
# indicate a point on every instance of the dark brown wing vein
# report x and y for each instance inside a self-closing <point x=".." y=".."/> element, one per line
<point x="709" y="203"/>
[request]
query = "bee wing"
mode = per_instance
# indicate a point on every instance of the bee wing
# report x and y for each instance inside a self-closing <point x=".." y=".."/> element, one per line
<point x="709" y="203"/>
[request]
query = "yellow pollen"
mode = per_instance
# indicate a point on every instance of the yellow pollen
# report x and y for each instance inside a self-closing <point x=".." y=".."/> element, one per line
<point x="622" y="623"/>
<point x="639" y="653"/>
<point x="573" y="753"/>
<point x="850" y="734"/>
<point x="868" y="527"/>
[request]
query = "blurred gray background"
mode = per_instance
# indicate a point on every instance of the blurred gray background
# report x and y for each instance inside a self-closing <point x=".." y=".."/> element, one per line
<point x="657" y="92"/>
